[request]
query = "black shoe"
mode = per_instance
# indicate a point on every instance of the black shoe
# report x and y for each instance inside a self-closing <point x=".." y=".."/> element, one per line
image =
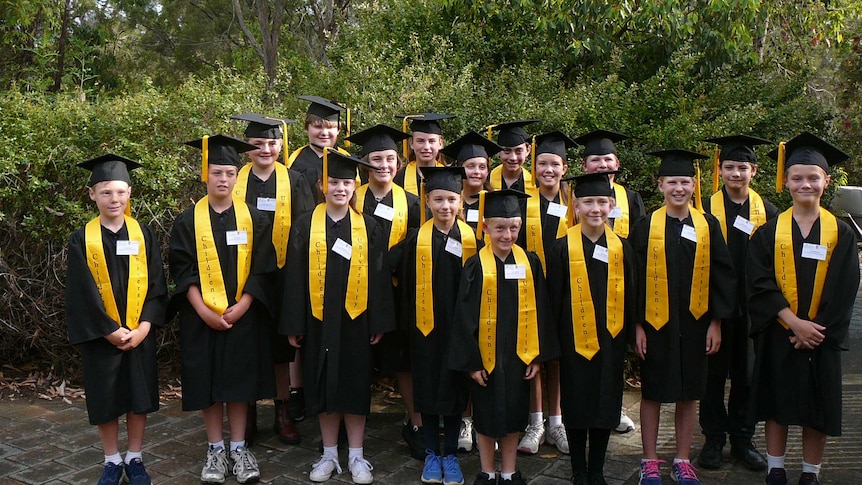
<point x="482" y="479"/>
<point x="515" y="480"/>
<point x="415" y="440"/>
<point x="743" y="450"/>
<point x="710" y="455"/>
<point x="580" y="478"/>
<point x="809" y="479"/>
<point x="112" y="474"/>
<point x="777" y="476"/>
<point x="297" y="403"/>
<point x="597" y="478"/>
<point x="136" y="474"/>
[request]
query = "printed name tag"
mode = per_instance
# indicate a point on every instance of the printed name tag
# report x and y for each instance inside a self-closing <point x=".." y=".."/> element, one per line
<point x="342" y="248"/>
<point x="814" y="251"/>
<point x="601" y="253"/>
<point x="266" y="204"/>
<point x="743" y="225"/>
<point x="615" y="213"/>
<point x="515" y="271"/>
<point x="557" y="210"/>
<point x="127" y="248"/>
<point x="235" y="238"/>
<point x="689" y="233"/>
<point x="453" y="246"/>
<point x="472" y="215"/>
<point x="384" y="212"/>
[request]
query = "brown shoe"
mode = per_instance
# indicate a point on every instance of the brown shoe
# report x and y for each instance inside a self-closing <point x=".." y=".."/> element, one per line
<point x="283" y="426"/>
<point x="251" y="424"/>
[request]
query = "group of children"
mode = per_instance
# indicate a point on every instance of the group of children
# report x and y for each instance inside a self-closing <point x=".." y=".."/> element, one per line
<point x="482" y="290"/>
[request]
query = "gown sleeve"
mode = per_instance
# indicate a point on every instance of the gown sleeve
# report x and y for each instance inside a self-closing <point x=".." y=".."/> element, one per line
<point x="85" y="313"/>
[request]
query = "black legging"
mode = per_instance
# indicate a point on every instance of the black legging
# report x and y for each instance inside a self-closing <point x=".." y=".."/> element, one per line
<point x="578" y="448"/>
<point x="451" y="428"/>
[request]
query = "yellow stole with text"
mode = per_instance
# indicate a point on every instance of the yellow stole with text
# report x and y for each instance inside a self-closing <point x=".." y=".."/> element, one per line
<point x="622" y="224"/>
<point x="756" y="210"/>
<point x="398" y="229"/>
<point x="535" y="241"/>
<point x="281" y="222"/>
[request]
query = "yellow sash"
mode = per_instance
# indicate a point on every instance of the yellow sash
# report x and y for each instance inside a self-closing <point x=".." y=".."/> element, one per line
<point x="583" y="311"/>
<point x="756" y="210"/>
<point x="496" y="178"/>
<point x="410" y="177"/>
<point x="281" y="223"/>
<point x="212" y="281"/>
<point x="398" y="229"/>
<point x="785" y="264"/>
<point x="535" y="241"/>
<point x="528" y="329"/>
<point x="657" y="301"/>
<point x="622" y="224"/>
<point x="424" y="267"/>
<point x="356" y="300"/>
<point x="138" y="275"/>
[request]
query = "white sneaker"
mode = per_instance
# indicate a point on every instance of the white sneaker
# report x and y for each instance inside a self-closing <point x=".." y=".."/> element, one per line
<point x="534" y="436"/>
<point x="556" y="435"/>
<point x="626" y="424"/>
<point x="216" y="467"/>
<point x="245" y="466"/>
<point x="323" y="469"/>
<point x="465" y="437"/>
<point x="360" y="469"/>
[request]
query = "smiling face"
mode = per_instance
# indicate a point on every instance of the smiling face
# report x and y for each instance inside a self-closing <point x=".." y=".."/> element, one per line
<point x="737" y="175"/>
<point x="513" y="158"/>
<point x="426" y="146"/>
<point x="322" y="132"/>
<point x="549" y="170"/>
<point x="220" y="181"/>
<point x="677" y="190"/>
<point x="503" y="232"/>
<point x="339" y="192"/>
<point x="386" y="162"/>
<point x="477" y="172"/>
<point x="806" y="183"/>
<point x="111" y="197"/>
<point x="593" y="210"/>
<point x="444" y="205"/>
<point x="267" y="151"/>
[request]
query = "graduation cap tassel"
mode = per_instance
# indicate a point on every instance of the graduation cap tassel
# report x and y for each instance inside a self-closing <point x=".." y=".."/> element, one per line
<point x="491" y="132"/>
<point x="716" y="169"/>
<point x="404" y="147"/>
<point x="570" y="209"/>
<point x="423" y="210"/>
<point x="698" y="199"/>
<point x="323" y="178"/>
<point x="286" y="149"/>
<point x="347" y="143"/>
<point x="481" y="214"/>
<point x="205" y="155"/>
<point x="533" y="160"/>
<point x="779" y="171"/>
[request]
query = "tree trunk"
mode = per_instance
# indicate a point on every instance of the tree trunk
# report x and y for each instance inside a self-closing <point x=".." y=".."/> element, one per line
<point x="61" y="47"/>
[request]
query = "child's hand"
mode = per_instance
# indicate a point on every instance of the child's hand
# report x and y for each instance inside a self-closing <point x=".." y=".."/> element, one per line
<point x="116" y="337"/>
<point x="376" y="338"/>
<point x="295" y="340"/>
<point x="532" y="370"/>
<point x="713" y="336"/>
<point x="136" y="336"/>
<point x="806" y="334"/>
<point x="480" y="376"/>
<point x="640" y="341"/>
<point x="214" y="320"/>
<point x="235" y="312"/>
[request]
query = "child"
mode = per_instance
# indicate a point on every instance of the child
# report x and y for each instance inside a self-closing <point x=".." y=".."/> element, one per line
<point x="339" y="289"/>
<point x="688" y="287"/>
<point x="501" y="333"/>
<point x="803" y="274"/>
<point x="547" y="219"/>
<point x="515" y="141"/>
<point x="473" y="152"/>
<point x="591" y="277"/>
<point x="426" y="141"/>
<point x="220" y="259"/>
<point x="740" y="211"/>
<point x="396" y="211"/>
<point x="115" y="294"/>
<point x="429" y="269"/>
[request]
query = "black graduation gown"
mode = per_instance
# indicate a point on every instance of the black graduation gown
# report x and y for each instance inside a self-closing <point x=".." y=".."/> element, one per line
<point x="301" y="202"/>
<point x="399" y="177"/>
<point x="636" y="209"/>
<point x="800" y="387"/>
<point x="337" y="353"/>
<point x="116" y="381"/>
<point x="470" y="207"/>
<point x="436" y="388"/>
<point x="503" y="406"/>
<point x="675" y="367"/>
<point x="232" y="365"/>
<point x="591" y="390"/>
<point x="310" y="165"/>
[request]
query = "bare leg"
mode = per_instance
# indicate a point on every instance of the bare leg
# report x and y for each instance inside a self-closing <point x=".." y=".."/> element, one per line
<point x="486" y="452"/>
<point x="776" y="438"/>
<point x="685" y="417"/>
<point x="355" y="424"/>
<point x="536" y="393"/>
<point x="213" y="422"/>
<point x="237" y="416"/>
<point x="405" y="387"/>
<point x="135" y="425"/>
<point x="329" y="424"/>
<point x="296" y="370"/>
<point x="649" y="428"/>
<point x="108" y="433"/>
<point x="508" y="453"/>
<point x="813" y="445"/>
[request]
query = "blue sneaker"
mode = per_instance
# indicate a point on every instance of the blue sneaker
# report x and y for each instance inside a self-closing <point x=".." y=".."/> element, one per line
<point x="650" y="473"/>
<point x="684" y="473"/>
<point x="433" y="470"/>
<point x="111" y="475"/>
<point x="452" y="471"/>
<point x="136" y="473"/>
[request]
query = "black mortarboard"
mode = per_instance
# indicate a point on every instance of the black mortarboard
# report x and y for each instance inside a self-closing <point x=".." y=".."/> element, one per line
<point x="600" y="142"/>
<point x="260" y="126"/>
<point x="677" y="163"/>
<point x="739" y="148"/>
<point x="809" y="149"/>
<point x="109" y="167"/>
<point x="378" y="137"/>
<point x="502" y="203"/>
<point x="340" y="166"/>
<point x="471" y="145"/>
<point x="597" y="184"/>
<point x="555" y="142"/>
<point x="425" y="122"/>
<point x="512" y="133"/>
<point x="323" y="108"/>
<point x="446" y="178"/>
<point x="220" y="150"/>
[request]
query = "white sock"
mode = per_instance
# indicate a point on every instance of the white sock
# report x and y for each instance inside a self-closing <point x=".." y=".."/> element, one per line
<point x="537" y="418"/>
<point x="115" y="459"/>
<point x="506" y="476"/>
<point x="236" y="444"/>
<point x="217" y="445"/>
<point x="555" y="421"/>
<point x="809" y="468"/>
<point x="131" y="455"/>
<point x="331" y="451"/>
<point x="491" y="475"/>
<point x="354" y="453"/>
<point x="774" y="462"/>
<point x="467" y="419"/>
<point x="680" y="460"/>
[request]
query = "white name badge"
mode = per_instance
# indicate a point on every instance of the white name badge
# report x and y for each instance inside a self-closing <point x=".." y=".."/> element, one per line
<point x="472" y="215"/>
<point x="127" y="248"/>
<point x="453" y="246"/>
<point x="342" y="248"/>
<point x="515" y="271"/>
<point x="743" y="225"/>
<point x="689" y="233"/>
<point x="557" y="210"/>
<point x="384" y="212"/>
<point x="236" y="238"/>
<point x="814" y="251"/>
<point x="266" y="204"/>
<point x="601" y="253"/>
<point x="615" y="213"/>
